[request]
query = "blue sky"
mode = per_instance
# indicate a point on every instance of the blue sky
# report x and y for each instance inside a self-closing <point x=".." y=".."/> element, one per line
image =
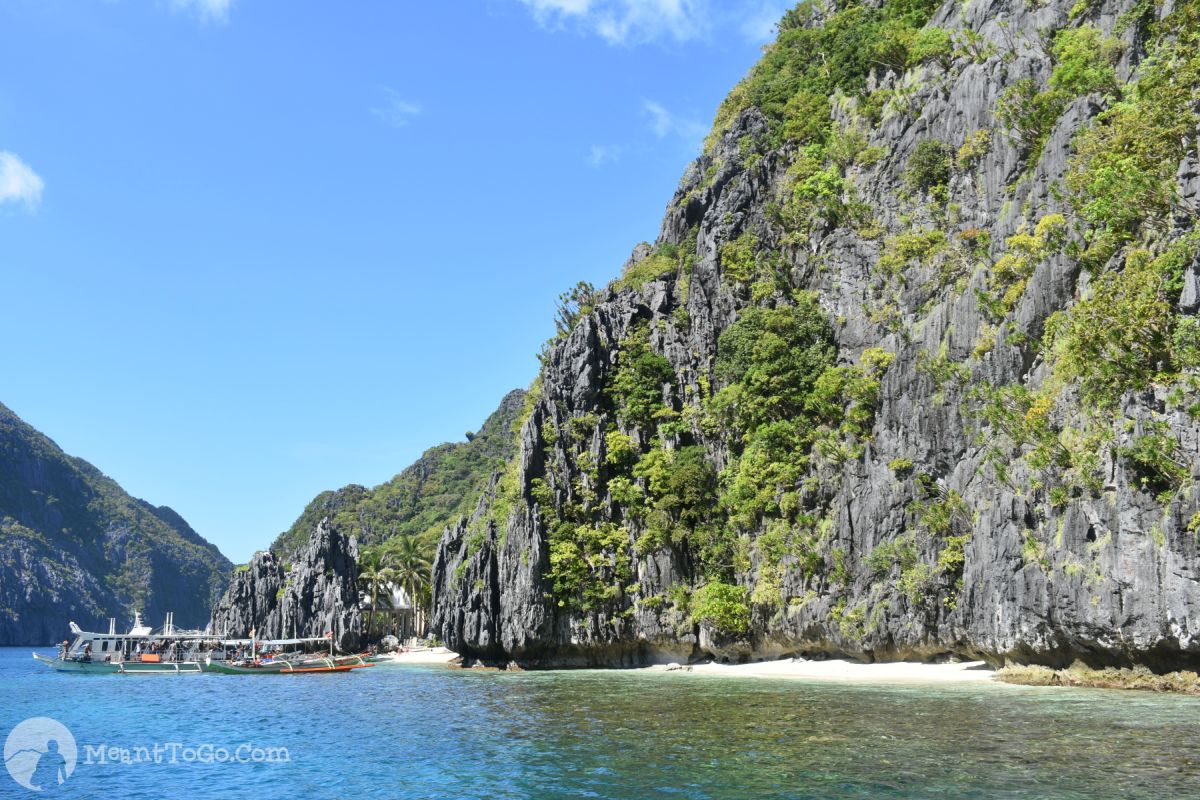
<point x="254" y="249"/>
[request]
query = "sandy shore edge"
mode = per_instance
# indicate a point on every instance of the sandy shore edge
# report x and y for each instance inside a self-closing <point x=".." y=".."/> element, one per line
<point x="846" y="671"/>
<point x="435" y="655"/>
<point x="897" y="672"/>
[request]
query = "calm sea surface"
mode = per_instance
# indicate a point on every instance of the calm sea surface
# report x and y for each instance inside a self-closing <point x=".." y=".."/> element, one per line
<point x="425" y="732"/>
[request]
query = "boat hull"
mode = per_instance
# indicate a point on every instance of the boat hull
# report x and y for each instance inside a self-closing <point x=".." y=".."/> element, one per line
<point x="308" y="666"/>
<point x="357" y="660"/>
<point x="120" y="668"/>
<point x="282" y="668"/>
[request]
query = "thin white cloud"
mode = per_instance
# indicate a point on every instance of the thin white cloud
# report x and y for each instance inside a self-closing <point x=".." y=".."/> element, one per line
<point x="548" y="8"/>
<point x="665" y="123"/>
<point x="397" y="111"/>
<point x="601" y="154"/>
<point x="207" y="10"/>
<point x="18" y="182"/>
<point x="626" y="21"/>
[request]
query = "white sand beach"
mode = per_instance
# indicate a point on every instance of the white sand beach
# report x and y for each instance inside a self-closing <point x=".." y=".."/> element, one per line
<point x="849" y="671"/>
<point x="896" y="672"/>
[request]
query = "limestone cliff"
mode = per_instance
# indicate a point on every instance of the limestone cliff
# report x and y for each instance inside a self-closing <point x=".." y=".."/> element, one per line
<point x="313" y="594"/>
<point x="910" y="371"/>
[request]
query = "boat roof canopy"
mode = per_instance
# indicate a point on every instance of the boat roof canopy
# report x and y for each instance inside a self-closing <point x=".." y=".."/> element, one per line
<point x="275" y="641"/>
<point x="198" y="636"/>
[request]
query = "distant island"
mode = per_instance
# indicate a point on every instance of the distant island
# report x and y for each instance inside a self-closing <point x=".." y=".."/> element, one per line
<point x="74" y="546"/>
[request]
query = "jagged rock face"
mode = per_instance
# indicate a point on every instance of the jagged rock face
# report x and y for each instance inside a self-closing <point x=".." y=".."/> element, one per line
<point x="252" y="599"/>
<point x="315" y="594"/>
<point x="1110" y="575"/>
<point x="75" y="547"/>
<point x="470" y="601"/>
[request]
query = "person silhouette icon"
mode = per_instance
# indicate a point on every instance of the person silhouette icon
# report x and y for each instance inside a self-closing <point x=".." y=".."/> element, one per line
<point x="51" y="769"/>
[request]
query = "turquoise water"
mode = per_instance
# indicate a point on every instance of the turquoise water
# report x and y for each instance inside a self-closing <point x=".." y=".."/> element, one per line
<point x="433" y="732"/>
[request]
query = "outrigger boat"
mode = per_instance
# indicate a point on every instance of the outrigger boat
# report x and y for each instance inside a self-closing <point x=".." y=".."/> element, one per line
<point x="282" y="663"/>
<point x="171" y="651"/>
<point x="283" y="666"/>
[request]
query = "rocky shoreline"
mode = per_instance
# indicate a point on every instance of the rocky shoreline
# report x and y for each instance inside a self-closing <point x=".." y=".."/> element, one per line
<point x="1080" y="675"/>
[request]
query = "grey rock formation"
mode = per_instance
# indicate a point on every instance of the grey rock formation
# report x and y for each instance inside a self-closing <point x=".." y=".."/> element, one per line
<point x="314" y="594"/>
<point x="252" y="600"/>
<point x="1110" y="576"/>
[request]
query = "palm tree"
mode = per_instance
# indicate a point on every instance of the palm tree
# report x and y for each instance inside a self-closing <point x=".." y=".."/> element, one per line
<point x="376" y="575"/>
<point x="410" y="568"/>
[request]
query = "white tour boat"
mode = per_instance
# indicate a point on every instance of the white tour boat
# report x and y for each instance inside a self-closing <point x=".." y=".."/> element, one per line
<point x="140" y="651"/>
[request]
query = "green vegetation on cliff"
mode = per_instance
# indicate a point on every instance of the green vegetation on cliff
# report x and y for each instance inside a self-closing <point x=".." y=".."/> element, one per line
<point x="808" y="62"/>
<point x="1127" y="332"/>
<point x="785" y="405"/>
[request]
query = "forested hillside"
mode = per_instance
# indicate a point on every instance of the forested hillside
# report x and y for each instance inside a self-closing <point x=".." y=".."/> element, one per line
<point x="75" y="547"/>
<point x="421" y="500"/>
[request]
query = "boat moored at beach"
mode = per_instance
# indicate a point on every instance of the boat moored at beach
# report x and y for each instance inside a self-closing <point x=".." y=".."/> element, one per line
<point x="271" y="657"/>
<point x="286" y="666"/>
<point x="168" y="650"/>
